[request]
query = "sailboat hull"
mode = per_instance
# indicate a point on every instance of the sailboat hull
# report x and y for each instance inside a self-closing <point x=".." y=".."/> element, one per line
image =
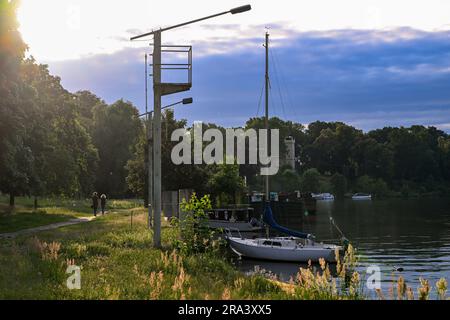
<point x="250" y="248"/>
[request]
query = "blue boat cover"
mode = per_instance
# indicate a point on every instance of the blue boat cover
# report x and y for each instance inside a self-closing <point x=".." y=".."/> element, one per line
<point x="268" y="218"/>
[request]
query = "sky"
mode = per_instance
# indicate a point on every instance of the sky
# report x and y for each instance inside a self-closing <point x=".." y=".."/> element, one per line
<point x="367" y="63"/>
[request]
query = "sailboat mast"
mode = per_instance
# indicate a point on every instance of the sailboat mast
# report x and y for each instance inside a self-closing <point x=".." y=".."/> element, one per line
<point x="267" y="110"/>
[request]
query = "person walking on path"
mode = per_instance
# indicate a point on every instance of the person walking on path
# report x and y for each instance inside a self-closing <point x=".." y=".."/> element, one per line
<point x="95" y="203"/>
<point x="103" y="203"/>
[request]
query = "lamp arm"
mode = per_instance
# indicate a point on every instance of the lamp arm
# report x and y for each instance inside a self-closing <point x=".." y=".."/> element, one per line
<point x="179" y="25"/>
<point x="232" y="11"/>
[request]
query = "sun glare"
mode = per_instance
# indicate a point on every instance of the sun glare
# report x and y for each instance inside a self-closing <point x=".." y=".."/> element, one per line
<point x="46" y="25"/>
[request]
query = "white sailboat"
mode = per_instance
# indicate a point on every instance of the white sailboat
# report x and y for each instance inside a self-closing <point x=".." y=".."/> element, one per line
<point x="284" y="249"/>
<point x="298" y="247"/>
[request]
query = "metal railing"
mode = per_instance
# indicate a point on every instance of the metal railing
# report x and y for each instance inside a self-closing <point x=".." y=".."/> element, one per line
<point x="177" y="49"/>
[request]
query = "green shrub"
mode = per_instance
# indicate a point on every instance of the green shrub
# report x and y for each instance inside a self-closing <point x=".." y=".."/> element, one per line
<point x="310" y="180"/>
<point x="338" y="184"/>
<point x="376" y="187"/>
<point x="195" y="233"/>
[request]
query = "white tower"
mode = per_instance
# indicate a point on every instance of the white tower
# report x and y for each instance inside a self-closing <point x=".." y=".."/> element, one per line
<point x="290" y="152"/>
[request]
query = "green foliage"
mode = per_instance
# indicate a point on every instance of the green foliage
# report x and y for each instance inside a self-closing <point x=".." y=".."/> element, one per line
<point x="48" y="144"/>
<point x="15" y="156"/>
<point x="195" y="233"/>
<point x="286" y="128"/>
<point x="116" y="130"/>
<point x="338" y="185"/>
<point x="136" y="167"/>
<point x="376" y="187"/>
<point x="286" y="180"/>
<point x="226" y="183"/>
<point x="330" y="147"/>
<point x="310" y="181"/>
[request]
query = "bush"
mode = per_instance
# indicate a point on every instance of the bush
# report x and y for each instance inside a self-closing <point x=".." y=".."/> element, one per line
<point x="195" y="233"/>
<point x="338" y="184"/>
<point x="310" y="180"/>
<point x="376" y="187"/>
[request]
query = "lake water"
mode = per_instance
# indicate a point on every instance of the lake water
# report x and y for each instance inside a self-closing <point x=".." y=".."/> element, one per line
<point x="395" y="233"/>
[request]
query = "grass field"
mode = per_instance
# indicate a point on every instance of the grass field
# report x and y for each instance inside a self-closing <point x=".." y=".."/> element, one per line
<point x="117" y="262"/>
<point x="50" y="210"/>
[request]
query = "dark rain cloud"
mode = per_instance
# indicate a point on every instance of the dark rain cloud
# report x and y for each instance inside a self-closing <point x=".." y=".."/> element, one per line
<point x="367" y="78"/>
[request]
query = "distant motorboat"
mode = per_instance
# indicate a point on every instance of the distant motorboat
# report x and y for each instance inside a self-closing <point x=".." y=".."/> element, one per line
<point x="362" y="196"/>
<point x="283" y="249"/>
<point x="322" y="196"/>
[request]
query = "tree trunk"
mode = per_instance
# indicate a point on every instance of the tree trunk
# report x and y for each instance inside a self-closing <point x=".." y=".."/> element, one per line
<point x="11" y="199"/>
<point x="35" y="203"/>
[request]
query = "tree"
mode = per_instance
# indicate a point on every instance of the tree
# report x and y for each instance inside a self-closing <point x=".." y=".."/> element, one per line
<point x="18" y="170"/>
<point x="64" y="157"/>
<point x="85" y="102"/>
<point x="330" y="151"/>
<point x="310" y="180"/>
<point x="225" y="183"/>
<point x="136" y="168"/>
<point x="444" y="147"/>
<point x="373" y="186"/>
<point x="116" y="130"/>
<point x="286" y="180"/>
<point x="338" y="184"/>
<point x="373" y="158"/>
<point x="15" y="156"/>
<point x="286" y="128"/>
<point x="75" y="153"/>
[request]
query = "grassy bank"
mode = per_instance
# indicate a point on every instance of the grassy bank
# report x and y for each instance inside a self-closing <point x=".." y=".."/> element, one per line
<point x="118" y="262"/>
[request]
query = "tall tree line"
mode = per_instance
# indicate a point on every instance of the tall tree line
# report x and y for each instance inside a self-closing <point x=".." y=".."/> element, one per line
<point x="54" y="142"/>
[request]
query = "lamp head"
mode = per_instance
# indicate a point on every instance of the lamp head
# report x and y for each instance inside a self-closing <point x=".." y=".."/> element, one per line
<point x="241" y="9"/>
<point x="187" y="101"/>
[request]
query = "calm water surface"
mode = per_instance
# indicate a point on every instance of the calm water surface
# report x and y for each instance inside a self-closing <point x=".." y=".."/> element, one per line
<point x="411" y="234"/>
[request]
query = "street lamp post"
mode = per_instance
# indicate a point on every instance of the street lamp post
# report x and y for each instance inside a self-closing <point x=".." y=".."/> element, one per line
<point x="150" y="168"/>
<point x="149" y="115"/>
<point x="160" y="89"/>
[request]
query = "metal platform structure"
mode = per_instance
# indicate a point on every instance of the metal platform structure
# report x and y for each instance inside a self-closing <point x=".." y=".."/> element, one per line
<point x="163" y="89"/>
<point x="167" y="88"/>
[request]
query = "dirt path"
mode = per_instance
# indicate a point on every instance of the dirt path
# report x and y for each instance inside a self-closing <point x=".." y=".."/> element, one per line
<point x="46" y="227"/>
